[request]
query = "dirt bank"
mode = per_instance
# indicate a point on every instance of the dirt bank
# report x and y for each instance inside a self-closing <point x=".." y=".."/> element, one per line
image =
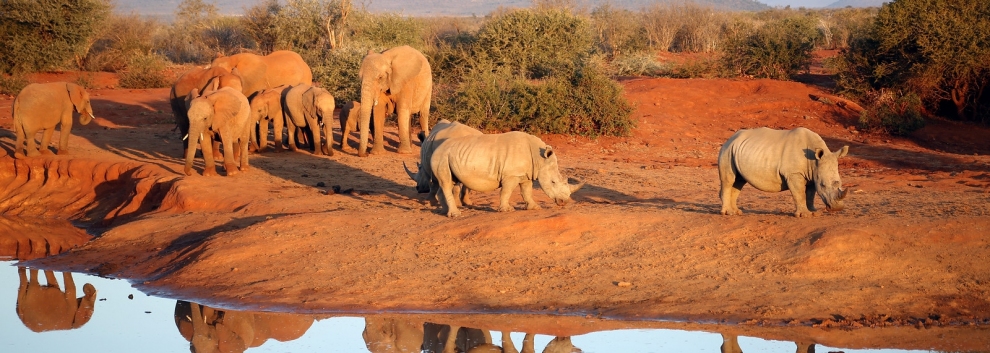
<point x="643" y="240"/>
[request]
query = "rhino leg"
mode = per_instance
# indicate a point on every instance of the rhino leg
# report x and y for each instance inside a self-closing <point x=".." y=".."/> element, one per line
<point x="799" y="187"/>
<point x="466" y="196"/>
<point x="809" y="196"/>
<point x="458" y="188"/>
<point x="526" y="189"/>
<point x="445" y="180"/>
<point x="508" y="185"/>
<point x="730" y="194"/>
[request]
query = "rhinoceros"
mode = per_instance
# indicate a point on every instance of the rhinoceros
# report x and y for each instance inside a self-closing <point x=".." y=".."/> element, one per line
<point x="488" y="162"/>
<point x="776" y="160"/>
<point x="443" y="130"/>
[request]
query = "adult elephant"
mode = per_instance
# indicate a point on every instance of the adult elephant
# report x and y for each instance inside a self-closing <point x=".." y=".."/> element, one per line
<point x="215" y="330"/>
<point x="196" y="78"/>
<point x="403" y="75"/>
<point x="47" y="308"/>
<point x="258" y="72"/>
<point x="41" y="106"/>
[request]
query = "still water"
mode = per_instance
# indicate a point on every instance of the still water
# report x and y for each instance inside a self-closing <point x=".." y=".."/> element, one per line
<point x="105" y="315"/>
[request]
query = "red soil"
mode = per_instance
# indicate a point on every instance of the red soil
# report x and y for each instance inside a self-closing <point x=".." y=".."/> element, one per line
<point x="911" y="244"/>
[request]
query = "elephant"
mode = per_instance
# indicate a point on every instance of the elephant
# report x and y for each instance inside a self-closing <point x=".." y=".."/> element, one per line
<point x="197" y="78"/>
<point x="226" y="113"/>
<point x="310" y="106"/>
<point x="47" y="308"/>
<point x="213" y="330"/>
<point x="403" y="74"/>
<point x="350" y="115"/>
<point x="267" y="106"/>
<point x="730" y="344"/>
<point x="230" y="79"/>
<point x="41" y="106"/>
<point x="776" y="160"/>
<point x="258" y="72"/>
<point x="387" y="335"/>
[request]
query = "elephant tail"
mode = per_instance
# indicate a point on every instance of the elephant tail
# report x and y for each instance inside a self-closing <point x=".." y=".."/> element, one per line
<point x="18" y="123"/>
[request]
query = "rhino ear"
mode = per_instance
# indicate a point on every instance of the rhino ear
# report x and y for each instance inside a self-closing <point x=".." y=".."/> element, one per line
<point x="819" y="153"/>
<point x="842" y="152"/>
<point x="547" y="152"/>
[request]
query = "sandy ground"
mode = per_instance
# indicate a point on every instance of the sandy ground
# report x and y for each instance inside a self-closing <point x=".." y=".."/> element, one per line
<point x="643" y="241"/>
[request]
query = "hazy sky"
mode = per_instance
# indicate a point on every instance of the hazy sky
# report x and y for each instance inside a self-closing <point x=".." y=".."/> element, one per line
<point x="799" y="3"/>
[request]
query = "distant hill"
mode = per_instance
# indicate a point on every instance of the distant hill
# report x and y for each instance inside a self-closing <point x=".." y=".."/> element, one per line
<point x="165" y="8"/>
<point x="857" y="3"/>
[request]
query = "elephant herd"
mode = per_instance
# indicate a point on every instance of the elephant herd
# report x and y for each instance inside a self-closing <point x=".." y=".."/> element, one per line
<point x="235" y="98"/>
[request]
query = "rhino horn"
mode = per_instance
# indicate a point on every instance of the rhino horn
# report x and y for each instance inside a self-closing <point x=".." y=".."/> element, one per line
<point x="576" y="187"/>
<point x="411" y="174"/>
<point x="843" y="193"/>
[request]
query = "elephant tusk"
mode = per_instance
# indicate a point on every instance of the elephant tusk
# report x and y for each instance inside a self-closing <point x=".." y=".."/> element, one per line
<point x="91" y="116"/>
<point x="185" y="137"/>
<point x="201" y="136"/>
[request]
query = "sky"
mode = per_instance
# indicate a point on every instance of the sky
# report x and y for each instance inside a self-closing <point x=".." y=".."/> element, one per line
<point x="798" y="3"/>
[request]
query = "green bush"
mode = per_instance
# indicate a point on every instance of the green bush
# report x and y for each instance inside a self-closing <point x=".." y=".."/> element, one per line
<point x="386" y="30"/>
<point x="639" y="64"/>
<point x="776" y="50"/>
<point x="185" y="40"/>
<point x="145" y="71"/>
<point x="535" y="44"/>
<point x="944" y="61"/>
<point x="12" y="85"/>
<point x="618" y="31"/>
<point x="47" y="34"/>
<point x="893" y="113"/>
<point x="337" y="71"/>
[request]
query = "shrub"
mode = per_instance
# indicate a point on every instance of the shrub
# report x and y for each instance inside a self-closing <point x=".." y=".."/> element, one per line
<point x="618" y="31"/>
<point x="701" y="29"/>
<point x="386" y="30"/>
<point x="337" y="71"/>
<point x="535" y="44"/>
<point x="639" y="64"/>
<point x="942" y="62"/>
<point x="893" y="113"/>
<point x="661" y="22"/>
<point x="47" y="34"/>
<point x="183" y="41"/>
<point x="123" y="37"/>
<point x="776" y="50"/>
<point x="145" y="71"/>
<point x="12" y="85"/>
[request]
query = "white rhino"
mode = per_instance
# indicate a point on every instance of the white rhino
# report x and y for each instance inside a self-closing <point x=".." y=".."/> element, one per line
<point x="778" y="160"/>
<point x="443" y="130"/>
<point x="488" y="162"/>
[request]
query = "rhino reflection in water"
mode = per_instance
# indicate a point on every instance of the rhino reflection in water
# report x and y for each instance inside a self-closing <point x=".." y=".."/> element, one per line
<point x="214" y="330"/>
<point x="387" y="335"/>
<point x="47" y="308"/>
<point x="730" y="344"/>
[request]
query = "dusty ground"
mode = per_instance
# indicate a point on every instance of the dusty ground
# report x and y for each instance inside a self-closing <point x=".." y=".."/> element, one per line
<point x="643" y="240"/>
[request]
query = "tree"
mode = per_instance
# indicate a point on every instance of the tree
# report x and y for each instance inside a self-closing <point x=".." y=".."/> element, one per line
<point x="47" y="34"/>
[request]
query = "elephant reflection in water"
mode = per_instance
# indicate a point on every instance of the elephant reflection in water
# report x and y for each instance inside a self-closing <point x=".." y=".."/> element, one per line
<point x="47" y="308"/>
<point x="730" y="344"/>
<point x="388" y="335"/>
<point x="213" y="330"/>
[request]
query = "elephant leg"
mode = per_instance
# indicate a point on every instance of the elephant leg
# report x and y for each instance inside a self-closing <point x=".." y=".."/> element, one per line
<point x="70" y="287"/>
<point x="290" y="128"/>
<point x="328" y="135"/>
<point x="507" y="346"/>
<point x="347" y="125"/>
<point x="210" y="167"/>
<point x="526" y="189"/>
<point x="508" y="184"/>
<point x="50" y="279"/>
<point x="405" y="143"/>
<point x="19" y="133"/>
<point x="278" y="123"/>
<point x="798" y="185"/>
<point x="244" y="155"/>
<point x="450" y="346"/>
<point x="529" y="343"/>
<point x="378" y="130"/>
<point x="46" y="140"/>
<point x="230" y="153"/>
<point x="262" y="135"/>
<point x="424" y="121"/>
<point x="63" y="137"/>
<point x="32" y="143"/>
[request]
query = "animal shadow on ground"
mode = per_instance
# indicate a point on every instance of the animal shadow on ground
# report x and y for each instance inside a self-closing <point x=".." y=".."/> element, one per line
<point x="139" y="132"/>
<point x="599" y="195"/>
<point x="899" y="158"/>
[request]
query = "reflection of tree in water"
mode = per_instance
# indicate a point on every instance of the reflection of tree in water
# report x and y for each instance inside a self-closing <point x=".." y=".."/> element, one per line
<point x="47" y="308"/>
<point x="730" y="344"/>
<point x="216" y="330"/>
<point x="390" y="335"/>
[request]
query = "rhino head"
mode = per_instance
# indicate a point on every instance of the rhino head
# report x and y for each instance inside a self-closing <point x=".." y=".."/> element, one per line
<point x="421" y="178"/>
<point x="551" y="182"/>
<point x="828" y="184"/>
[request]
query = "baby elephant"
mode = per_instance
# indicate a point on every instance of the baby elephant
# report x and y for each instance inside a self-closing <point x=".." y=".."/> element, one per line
<point x="778" y="160"/>
<point x="41" y="106"/>
<point x="310" y="106"/>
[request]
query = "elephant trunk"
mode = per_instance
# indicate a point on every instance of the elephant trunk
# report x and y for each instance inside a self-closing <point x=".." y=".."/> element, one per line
<point x="369" y="98"/>
<point x="191" y="150"/>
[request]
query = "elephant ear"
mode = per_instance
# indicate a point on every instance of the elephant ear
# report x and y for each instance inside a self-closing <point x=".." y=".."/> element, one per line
<point x="309" y="102"/>
<point x="77" y="96"/>
<point x="225" y="107"/>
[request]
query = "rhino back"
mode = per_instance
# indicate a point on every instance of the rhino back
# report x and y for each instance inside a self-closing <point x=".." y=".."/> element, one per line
<point x="441" y="132"/>
<point x="480" y="162"/>
<point x="763" y="156"/>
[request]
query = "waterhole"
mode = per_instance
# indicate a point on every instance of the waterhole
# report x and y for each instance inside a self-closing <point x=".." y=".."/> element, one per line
<point x="106" y="315"/>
